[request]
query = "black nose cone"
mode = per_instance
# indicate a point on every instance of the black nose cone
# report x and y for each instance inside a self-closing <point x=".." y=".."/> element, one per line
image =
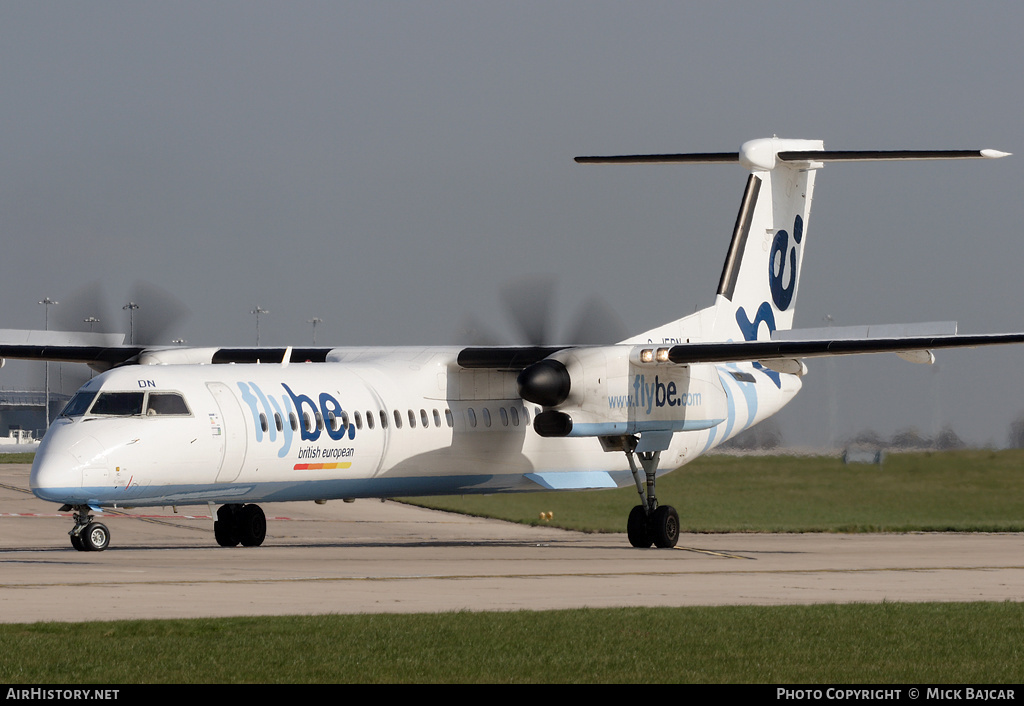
<point x="545" y="383"/>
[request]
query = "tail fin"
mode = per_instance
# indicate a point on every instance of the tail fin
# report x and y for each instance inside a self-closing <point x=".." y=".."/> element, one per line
<point x="758" y="289"/>
<point x="760" y="280"/>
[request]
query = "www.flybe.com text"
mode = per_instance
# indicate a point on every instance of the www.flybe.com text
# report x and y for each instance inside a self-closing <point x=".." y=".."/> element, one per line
<point x="647" y="396"/>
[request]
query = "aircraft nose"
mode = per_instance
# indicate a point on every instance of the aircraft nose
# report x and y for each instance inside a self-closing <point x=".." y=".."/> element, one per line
<point x="55" y="475"/>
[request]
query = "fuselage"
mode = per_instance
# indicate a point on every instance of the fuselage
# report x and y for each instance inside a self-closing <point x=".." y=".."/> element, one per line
<point x="368" y="423"/>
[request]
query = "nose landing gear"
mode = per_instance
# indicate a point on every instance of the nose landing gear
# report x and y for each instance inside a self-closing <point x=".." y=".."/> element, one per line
<point x="86" y="535"/>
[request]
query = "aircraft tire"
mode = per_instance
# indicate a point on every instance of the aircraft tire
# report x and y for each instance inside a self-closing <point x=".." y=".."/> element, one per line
<point x="665" y="527"/>
<point x="225" y="537"/>
<point x="76" y="542"/>
<point x="637" y="528"/>
<point x="95" y="537"/>
<point x="225" y="529"/>
<point x="252" y="526"/>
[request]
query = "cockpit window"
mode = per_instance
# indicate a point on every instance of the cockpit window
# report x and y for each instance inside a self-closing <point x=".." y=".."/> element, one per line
<point x="166" y="403"/>
<point x="78" y="404"/>
<point x="118" y="404"/>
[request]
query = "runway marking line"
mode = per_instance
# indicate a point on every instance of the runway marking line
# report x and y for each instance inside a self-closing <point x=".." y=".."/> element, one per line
<point x="449" y="577"/>
<point x="711" y="553"/>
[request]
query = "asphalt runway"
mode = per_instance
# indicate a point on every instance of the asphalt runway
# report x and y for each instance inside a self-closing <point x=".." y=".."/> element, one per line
<point x="373" y="557"/>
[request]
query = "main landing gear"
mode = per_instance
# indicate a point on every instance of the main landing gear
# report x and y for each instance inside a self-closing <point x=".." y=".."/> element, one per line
<point x="240" y="524"/>
<point x="86" y="535"/>
<point x="648" y="522"/>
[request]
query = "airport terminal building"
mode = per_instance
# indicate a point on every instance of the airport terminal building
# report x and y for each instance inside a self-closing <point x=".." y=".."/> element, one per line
<point x="23" y="414"/>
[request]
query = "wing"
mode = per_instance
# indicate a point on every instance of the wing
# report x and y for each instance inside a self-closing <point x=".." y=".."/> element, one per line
<point x="103" y="351"/>
<point x="913" y="342"/>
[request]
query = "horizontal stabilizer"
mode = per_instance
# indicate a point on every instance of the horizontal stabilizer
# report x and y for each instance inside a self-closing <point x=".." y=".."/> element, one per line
<point x="886" y="155"/>
<point x="764" y="154"/>
<point x="693" y="158"/>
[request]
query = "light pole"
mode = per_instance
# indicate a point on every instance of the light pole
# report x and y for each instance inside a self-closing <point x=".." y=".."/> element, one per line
<point x="257" y="311"/>
<point x="131" y="307"/>
<point x="315" y="320"/>
<point x="90" y="320"/>
<point x="46" y="302"/>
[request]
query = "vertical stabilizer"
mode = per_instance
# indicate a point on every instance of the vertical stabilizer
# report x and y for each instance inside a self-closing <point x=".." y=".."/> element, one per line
<point x="758" y="289"/>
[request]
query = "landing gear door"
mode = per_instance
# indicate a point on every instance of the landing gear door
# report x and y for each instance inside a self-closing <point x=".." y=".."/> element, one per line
<point x="229" y="428"/>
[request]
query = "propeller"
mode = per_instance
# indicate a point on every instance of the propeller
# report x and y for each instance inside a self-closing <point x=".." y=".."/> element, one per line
<point x="148" y="318"/>
<point x="151" y="315"/>
<point x="85" y="310"/>
<point x="530" y="303"/>
<point x="158" y="313"/>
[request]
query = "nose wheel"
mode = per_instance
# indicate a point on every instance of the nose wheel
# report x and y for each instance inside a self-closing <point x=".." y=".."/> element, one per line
<point x="87" y="535"/>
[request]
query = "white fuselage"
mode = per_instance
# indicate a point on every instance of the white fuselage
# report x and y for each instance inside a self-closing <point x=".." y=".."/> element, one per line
<point x="368" y="423"/>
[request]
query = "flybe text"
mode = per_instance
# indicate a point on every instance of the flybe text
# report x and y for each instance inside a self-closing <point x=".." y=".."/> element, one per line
<point x="278" y="418"/>
<point x="648" y="395"/>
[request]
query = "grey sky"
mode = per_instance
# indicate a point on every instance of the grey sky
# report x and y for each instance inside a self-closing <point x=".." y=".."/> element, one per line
<point x="386" y="166"/>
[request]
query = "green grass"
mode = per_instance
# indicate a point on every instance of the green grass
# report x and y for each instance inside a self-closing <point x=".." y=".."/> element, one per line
<point x="972" y="490"/>
<point x="883" y="643"/>
<point x="18" y="457"/>
<point x="981" y="643"/>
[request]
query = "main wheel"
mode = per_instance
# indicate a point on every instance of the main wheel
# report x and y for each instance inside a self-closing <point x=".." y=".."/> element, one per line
<point x="95" y="537"/>
<point x="252" y="526"/>
<point x="665" y="527"/>
<point x="76" y="542"/>
<point x="225" y="529"/>
<point x="637" y="530"/>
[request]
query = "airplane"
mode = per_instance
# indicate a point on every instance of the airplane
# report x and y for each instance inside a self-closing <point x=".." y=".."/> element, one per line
<point x="237" y="427"/>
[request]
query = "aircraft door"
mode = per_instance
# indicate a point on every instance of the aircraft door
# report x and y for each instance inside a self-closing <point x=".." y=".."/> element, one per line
<point x="231" y="432"/>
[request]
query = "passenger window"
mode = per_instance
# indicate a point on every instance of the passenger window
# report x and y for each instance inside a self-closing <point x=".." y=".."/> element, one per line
<point x="437" y="419"/>
<point x="487" y="417"/>
<point x="412" y="419"/>
<point x="344" y="421"/>
<point x="166" y="403"/>
<point x="448" y="418"/>
<point x="369" y="420"/>
<point x="332" y="421"/>
<point x="293" y="421"/>
<point x="423" y="418"/>
<point x="278" y="422"/>
<point x="504" y="416"/>
<point x="398" y="419"/>
<point x="472" y="417"/>
<point x="526" y="416"/>
<point x="359" y="420"/>
<point x="383" y="419"/>
<point x="264" y="425"/>
<point x="515" y="416"/>
<point x="118" y="404"/>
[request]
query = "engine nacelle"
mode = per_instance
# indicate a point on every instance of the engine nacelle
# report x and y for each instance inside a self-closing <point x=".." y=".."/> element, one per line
<point x="619" y="390"/>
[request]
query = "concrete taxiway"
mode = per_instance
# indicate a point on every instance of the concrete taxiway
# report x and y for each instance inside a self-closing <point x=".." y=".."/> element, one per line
<point x="370" y="556"/>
